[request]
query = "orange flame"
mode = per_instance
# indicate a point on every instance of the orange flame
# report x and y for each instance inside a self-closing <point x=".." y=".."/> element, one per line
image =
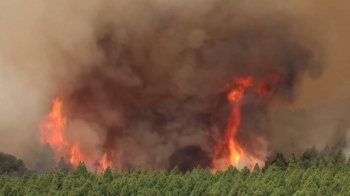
<point x="229" y="152"/>
<point x="235" y="97"/>
<point x="53" y="132"/>
<point x="75" y="155"/>
<point x="52" y="129"/>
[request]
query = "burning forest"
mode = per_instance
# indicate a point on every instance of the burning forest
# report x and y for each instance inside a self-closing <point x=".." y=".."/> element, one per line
<point x="139" y="84"/>
<point x="201" y="95"/>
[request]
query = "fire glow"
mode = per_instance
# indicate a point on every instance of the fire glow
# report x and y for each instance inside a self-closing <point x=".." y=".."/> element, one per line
<point x="227" y="153"/>
<point x="235" y="98"/>
<point x="230" y="152"/>
<point x="53" y="131"/>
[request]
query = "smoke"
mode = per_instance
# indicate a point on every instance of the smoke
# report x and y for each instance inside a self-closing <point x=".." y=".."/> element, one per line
<point x="145" y="81"/>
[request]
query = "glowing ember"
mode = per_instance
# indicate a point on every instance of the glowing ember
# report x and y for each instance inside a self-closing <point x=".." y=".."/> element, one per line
<point x="267" y="85"/>
<point x="53" y="130"/>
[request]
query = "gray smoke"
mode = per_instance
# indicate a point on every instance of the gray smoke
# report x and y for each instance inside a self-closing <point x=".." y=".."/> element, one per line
<point x="145" y="81"/>
<point x="163" y="89"/>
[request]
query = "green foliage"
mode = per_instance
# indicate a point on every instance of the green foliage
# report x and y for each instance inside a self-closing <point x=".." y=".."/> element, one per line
<point x="10" y="165"/>
<point x="280" y="161"/>
<point x="306" y="176"/>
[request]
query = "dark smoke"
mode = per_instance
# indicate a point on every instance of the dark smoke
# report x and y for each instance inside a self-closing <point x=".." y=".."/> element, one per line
<point x="157" y="94"/>
<point x="189" y="157"/>
<point x="146" y="81"/>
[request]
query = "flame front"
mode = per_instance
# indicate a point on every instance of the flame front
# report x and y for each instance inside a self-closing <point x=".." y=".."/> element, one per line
<point x="52" y="129"/>
<point x="235" y="98"/>
<point x="230" y="152"/>
<point x="53" y="132"/>
<point x="230" y="147"/>
<point x="227" y="153"/>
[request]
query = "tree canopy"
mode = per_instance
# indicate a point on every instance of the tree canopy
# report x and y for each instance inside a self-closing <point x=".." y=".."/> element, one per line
<point x="309" y="175"/>
<point x="10" y="165"/>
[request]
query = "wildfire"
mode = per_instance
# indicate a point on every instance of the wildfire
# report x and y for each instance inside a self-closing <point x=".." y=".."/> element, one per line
<point x="235" y="97"/>
<point x="229" y="152"/>
<point x="230" y="146"/>
<point x="267" y="85"/>
<point x="53" y="132"/>
<point x="52" y="129"/>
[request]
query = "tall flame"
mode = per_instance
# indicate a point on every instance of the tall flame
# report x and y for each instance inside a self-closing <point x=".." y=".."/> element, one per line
<point x="53" y="132"/>
<point x="52" y="129"/>
<point x="230" y="152"/>
<point x="227" y="153"/>
<point x="233" y="152"/>
<point x="235" y="97"/>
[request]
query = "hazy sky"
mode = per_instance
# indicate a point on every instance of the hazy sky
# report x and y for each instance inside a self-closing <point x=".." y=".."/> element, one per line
<point x="334" y="82"/>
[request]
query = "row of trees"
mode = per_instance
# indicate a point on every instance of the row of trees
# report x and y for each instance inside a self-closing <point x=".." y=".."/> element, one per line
<point x="304" y="176"/>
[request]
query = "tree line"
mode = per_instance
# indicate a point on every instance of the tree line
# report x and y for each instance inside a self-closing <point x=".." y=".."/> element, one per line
<point x="311" y="174"/>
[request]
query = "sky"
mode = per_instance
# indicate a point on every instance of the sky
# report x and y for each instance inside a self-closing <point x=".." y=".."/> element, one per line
<point x="334" y="83"/>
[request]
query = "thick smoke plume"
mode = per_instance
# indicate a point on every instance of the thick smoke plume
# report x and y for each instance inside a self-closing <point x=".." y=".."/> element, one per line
<point x="146" y="81"/>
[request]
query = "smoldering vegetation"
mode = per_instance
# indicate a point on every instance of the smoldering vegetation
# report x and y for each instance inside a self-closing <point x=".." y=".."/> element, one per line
<point x="147" y="81"/>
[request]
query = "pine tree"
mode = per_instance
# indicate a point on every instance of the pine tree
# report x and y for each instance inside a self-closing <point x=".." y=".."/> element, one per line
<point x="46" y="162"/>
<point x="63" y="166"/>
<point x="310" y="188"/>
<point x="339" y="158"/>
<point x="108" y="175"/>
<point x="6" y="189"/>
<point x="85" y="189"/>
<point x="310" y="154"/>
<point x="326" y="152"/>
<point x="81" y="171"/>
<point x="280" y="161"/>
<point x="279" y="191"/>
<point x="175" y="171"/>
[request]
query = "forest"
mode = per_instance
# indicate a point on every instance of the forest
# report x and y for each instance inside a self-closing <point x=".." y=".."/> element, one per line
<point x="311" y="174"/>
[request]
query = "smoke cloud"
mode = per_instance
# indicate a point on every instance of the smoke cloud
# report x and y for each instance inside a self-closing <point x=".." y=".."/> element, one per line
<point x="146" y="81"/>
